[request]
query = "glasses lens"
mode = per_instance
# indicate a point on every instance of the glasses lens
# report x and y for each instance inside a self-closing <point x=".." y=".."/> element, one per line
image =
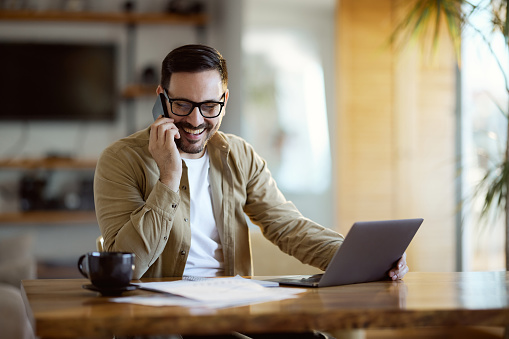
<point x="180" y="107"/>
<point x="210" y="109"/>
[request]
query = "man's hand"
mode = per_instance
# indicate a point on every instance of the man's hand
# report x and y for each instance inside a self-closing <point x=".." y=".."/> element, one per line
<point x="400" y="270"/>
<point x="163" y="133"/>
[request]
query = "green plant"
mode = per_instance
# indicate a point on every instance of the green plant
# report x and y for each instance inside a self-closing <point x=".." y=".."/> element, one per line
<point x="424" y="21"/>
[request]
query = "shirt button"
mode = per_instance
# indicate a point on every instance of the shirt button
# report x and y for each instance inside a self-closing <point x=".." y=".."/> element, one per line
<point x="182" y="252"/>
<point x="184" y="187"/>
<point x="174" y="205"/>
<point x="185" y="219"/>
<point x="165" y="238"/>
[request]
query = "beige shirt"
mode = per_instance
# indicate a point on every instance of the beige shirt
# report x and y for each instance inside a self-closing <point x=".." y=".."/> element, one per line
<point x="139" y="214"/>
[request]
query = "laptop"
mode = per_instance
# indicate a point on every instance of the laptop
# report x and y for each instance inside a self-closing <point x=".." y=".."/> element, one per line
<point x="370" y="250"/>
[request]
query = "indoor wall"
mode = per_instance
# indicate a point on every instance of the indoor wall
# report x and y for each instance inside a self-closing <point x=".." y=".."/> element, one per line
<point x="395" y="130"/>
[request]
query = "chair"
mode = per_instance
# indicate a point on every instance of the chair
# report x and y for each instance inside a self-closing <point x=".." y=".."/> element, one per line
<point x="99" y="243"/>
<point x="17" y="262"/>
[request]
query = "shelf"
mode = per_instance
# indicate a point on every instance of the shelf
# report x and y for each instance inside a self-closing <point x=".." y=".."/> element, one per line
<point x="48" y="217"/>
<point x="113" y="17"/>
<point x="48" y="163"/>
<point x="57" y="270"/>
<point x="139" y="91"/>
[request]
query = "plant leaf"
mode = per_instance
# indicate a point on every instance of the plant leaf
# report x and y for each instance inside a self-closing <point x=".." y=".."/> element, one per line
<point x="424" y="21"/>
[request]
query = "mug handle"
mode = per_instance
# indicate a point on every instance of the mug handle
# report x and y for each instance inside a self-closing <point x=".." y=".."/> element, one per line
<point x="80" y="265"/>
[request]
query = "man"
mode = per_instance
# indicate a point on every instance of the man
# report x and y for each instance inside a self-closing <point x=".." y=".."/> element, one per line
<point x="176" y="194"/>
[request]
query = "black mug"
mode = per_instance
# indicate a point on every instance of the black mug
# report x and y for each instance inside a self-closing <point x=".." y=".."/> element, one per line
<point x="107" y="269"/>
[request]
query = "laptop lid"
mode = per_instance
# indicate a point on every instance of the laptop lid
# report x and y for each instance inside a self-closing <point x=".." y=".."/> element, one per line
<point x="370" y="250"/>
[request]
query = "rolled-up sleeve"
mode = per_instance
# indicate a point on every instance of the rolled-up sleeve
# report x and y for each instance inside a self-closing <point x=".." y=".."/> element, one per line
<point x="280" y="220"/>
<point x="133" y="218"/>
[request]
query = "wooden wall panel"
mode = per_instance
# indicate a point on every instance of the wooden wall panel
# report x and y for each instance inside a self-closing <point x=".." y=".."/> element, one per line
<point x="395" y="125"/>
<point x="365" y="108"/>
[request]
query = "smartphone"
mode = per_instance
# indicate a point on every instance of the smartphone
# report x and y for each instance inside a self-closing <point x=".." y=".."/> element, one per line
<point x="160" y="107"/>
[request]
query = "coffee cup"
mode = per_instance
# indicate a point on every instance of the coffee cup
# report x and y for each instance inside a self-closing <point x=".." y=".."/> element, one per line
<point x="107" y="270"/>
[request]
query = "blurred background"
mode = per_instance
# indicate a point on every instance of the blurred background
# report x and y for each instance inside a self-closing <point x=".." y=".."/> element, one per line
<point x="351" y="129"/>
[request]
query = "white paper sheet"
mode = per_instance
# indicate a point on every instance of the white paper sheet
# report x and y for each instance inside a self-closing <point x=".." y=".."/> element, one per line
<point x="210" y="292"/>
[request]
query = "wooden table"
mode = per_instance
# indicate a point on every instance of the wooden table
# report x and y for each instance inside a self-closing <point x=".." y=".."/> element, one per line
<point x="61" y="308"/>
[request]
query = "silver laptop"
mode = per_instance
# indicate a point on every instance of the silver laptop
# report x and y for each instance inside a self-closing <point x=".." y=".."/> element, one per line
<point x="369" y="252"/>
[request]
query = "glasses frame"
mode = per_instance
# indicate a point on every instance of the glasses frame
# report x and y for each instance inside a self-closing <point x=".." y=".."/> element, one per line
<point x="195" y="104"/>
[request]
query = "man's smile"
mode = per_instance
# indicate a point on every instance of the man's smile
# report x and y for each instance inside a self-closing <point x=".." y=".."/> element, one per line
<point x="194" y="131"/>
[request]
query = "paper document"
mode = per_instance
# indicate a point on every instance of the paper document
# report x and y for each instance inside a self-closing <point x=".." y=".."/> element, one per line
<point x="210" y="292"/>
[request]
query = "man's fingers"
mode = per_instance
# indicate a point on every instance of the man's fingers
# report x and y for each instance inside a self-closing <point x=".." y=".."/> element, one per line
<point x="161" y="121"/>
<point x="177" y="133"/>
<point x="395" y="274"/>
<point x="400" y="270"/>
<point x="402" y="261"/>
<point x="159" y="129"/>
<point x="171" y="135"/>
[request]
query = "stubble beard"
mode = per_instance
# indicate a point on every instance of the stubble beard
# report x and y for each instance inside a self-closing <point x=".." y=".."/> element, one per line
<point x="195" y="146"/>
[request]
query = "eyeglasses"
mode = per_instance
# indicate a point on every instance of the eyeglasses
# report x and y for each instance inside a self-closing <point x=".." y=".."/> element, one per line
<point x="183" y="107"/>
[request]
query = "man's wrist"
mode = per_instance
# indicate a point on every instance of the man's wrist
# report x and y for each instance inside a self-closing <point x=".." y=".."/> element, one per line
<point x="171" y="184"/>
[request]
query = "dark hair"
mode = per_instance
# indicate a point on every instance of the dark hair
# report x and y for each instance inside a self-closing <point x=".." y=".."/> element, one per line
<point x="193" y="58"/>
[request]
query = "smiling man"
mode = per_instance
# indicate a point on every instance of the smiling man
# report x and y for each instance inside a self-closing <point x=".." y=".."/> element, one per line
<point x="176" y="194"/>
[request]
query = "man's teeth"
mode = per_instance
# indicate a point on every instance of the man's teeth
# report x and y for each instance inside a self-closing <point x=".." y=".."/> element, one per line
<point x="194" y="131"/>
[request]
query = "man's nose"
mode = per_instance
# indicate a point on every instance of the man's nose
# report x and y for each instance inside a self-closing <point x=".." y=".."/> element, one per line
<point x="195" y="118"/>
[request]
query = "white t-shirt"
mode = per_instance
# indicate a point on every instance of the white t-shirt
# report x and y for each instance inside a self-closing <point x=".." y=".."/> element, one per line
<point x="206" y="253"/>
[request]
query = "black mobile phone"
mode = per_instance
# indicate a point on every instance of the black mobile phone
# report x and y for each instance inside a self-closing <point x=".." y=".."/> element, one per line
<point x="160" y="107"/>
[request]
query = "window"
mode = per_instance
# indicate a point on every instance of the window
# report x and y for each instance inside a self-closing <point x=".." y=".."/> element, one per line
<point x="288" y="58"/>
<point x="483" y="143"/>
<point x="286" y="111"/>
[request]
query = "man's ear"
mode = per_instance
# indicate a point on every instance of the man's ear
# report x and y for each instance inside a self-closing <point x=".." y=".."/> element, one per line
<point x="226" y="95"/>
<point x="159" y="90"/>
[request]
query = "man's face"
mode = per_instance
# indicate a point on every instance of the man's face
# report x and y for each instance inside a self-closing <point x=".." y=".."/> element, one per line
<point x="195" y="130"/>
